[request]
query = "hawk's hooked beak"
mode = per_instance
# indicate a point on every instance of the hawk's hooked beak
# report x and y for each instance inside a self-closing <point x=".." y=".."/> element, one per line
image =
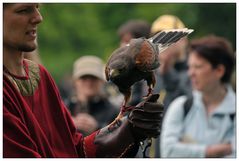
<point x="114" y="73"/>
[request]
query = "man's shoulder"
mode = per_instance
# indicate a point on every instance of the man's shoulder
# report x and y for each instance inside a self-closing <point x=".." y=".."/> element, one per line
<point x="36" y="68"/>
<point x="33" y="66"/>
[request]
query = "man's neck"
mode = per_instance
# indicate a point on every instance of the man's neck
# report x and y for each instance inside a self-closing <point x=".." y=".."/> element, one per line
<point x="13" y="61"/>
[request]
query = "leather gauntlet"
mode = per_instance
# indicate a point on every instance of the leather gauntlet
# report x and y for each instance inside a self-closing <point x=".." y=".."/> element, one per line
<point x="122" y="140"/>
<point x="146" y="118"/>
<point x="117" y="141"/>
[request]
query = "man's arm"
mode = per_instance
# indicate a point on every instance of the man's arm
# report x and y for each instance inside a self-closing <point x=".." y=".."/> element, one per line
<point x="122" y="140"/>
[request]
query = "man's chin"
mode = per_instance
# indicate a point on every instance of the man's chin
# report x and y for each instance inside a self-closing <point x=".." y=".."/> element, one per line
<point x="27" y="48"/>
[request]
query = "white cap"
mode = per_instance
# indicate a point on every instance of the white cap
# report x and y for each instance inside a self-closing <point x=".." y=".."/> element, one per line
<point x="88" y="65"/>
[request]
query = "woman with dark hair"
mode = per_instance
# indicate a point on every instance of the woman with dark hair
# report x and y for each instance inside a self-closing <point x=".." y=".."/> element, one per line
<point x="208" y="128"/>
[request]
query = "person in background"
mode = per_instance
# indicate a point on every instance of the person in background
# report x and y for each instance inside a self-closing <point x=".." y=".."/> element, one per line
<point x="131" y="29"/>
<point x="134" y="28"/>
<point x="208" y="129"/>
<point x="36" y="123"/>
<point x="89" y="106"/>
<point x="172" y="79"/>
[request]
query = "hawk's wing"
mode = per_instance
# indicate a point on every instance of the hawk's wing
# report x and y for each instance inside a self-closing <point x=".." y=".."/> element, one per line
<point x="147" y="59"/>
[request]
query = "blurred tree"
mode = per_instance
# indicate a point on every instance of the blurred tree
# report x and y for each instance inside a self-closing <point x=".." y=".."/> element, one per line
<point x="70" y="30"/>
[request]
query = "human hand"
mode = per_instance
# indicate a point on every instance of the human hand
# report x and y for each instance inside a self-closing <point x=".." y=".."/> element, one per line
<point x="85" y="122"/>
<point x="218" y="150"/>
<point x="122" y="139"/>
<point x="146" y="118"/>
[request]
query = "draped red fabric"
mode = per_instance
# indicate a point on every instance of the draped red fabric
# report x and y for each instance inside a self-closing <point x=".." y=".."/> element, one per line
<point x="38" y="125"/>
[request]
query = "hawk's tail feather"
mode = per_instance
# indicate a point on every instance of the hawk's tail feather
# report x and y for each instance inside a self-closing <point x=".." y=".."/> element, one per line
<point x="158" y="37"/>
<point x="176" y="37"/>
<point x="167" y="37"/>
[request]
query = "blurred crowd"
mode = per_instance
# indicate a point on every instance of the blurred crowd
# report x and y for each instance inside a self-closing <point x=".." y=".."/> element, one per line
<point x="196" y="82"/>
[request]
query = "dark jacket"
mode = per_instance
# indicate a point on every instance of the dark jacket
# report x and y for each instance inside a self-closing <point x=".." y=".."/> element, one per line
<point x="99" y="107"/>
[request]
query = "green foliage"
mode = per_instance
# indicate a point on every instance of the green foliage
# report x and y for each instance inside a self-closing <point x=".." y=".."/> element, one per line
<point x="70" y="30"/>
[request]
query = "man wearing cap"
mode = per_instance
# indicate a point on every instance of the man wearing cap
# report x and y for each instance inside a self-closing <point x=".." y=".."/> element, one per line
<point x="89" y="106"/>
<point x="172" y="79"/>
<point x="172" y="74"/>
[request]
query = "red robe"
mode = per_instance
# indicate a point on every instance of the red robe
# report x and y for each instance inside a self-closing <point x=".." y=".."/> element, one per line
<point x="36" y="123"/>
